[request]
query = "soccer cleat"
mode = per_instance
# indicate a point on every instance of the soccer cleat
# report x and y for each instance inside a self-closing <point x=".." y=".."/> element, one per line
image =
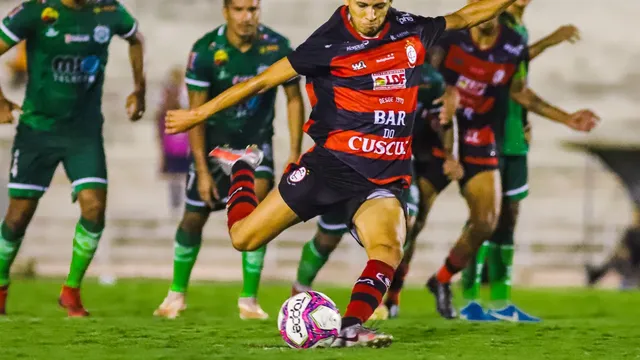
<point x="227" y="157"/>
<point x="172" y="305"/>
<point x="250" y="309"/>
<point x="381" y="313"/>
<point x="4" y="291"/>
<point x="297" y="288"/>
<point x="394" y="311"/>
<point x="360" y="336"/>
<point x="594" y="274"/>
<point x="444" y="298"/>
<point x="474" y="312"/>
<point x="70" y="300"/>
<point x="513" y="314"/>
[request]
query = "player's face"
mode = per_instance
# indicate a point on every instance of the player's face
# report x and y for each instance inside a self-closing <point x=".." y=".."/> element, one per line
<point x="243" y="17"/>
<point x="368" y="16"/>
<point x="488" y="27"/>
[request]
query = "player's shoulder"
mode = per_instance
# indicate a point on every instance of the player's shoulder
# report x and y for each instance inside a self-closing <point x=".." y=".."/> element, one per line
<point x="268" y="36"/>
<point x="404" y="19"/>
<point x="207" y="42"/>
<point x="31" y="5"/>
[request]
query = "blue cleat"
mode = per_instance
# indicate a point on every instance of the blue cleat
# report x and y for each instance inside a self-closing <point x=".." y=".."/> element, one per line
<point x="474" y="312"/>
<point x="513" y="314"/>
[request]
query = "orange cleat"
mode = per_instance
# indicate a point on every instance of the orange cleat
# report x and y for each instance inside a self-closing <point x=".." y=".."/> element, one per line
<point x="70" y="300"/>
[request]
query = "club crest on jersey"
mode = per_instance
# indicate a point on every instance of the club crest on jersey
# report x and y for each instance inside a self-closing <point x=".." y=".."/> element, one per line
<point x="101" y="34"/>
<point x="359" y="66"/>
<point x="297" y="175"/>
<point x="220" y="57"/>
<point x="49" y="15"/>
<point x="412" y="54"/>
<point x="389" y="80"/>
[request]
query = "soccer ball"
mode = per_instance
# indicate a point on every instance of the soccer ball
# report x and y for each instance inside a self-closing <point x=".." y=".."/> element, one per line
<point x="309" y="319"/>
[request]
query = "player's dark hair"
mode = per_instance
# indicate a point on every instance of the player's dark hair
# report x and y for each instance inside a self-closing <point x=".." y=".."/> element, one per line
<point x="228" y="2"/>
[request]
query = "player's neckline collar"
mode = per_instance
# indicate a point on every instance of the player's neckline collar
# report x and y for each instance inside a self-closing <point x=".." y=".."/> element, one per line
<point x="347" y="23"/>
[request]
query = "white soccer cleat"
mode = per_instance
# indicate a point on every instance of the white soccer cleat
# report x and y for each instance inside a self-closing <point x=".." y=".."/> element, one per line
<point x="227" y="157"/>
<point x="249" y="309"/>
<point x="360" y="336"/>
<point x="172" y="306"/>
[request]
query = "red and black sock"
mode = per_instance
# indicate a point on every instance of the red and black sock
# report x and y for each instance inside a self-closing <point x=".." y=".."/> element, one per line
<point x="393" y="295"/>
<point x="368" y="292"/>
<point x="242" y="196"/>
<point x="452" y="265"/>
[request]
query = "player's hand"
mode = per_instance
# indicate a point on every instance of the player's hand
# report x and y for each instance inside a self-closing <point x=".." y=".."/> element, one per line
<point x="207" y="189"/>
<point x="6" y="111"/>
<point x="135" y="105"/>
<point x="527" y="134"/>
<point x="453" y="169"/>
<point x="583" y="120"/>
<point x="448" y="110"/>
<point x="177" y="121"/>
<point x="564" y="33"/>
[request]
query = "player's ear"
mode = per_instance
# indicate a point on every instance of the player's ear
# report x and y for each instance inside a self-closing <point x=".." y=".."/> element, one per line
<point x="346" y="2"/>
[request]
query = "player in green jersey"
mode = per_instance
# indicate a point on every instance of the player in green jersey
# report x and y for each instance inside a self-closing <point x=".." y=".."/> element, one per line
<point x="61" y="122"/>
<point x="230" y="54"/>
<point x="513" y="137"/>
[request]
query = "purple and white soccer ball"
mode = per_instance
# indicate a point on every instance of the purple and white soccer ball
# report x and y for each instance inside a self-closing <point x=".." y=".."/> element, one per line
<point x="309" y="319"/>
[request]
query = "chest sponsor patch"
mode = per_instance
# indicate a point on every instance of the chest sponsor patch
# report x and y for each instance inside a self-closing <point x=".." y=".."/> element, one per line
<point x="390" y="80"/>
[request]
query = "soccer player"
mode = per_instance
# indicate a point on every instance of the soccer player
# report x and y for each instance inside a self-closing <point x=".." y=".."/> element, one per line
<point x="61" y="122"/>
<point x="228" y="55"/>
<point x="332" y="225"/>
<point x="513" y="145"/>
<point x="364" y="64"/>
<point x="485" y="65"/>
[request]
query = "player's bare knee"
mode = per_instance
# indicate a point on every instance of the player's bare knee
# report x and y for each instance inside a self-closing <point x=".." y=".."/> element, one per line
<point x="484" y="225"/>
<point x="241" y="238"/>
<point x="193" y="222"/>
<point x="326" y="243"/>
<point x="93" y="210"/>
<point x="18" y="217"/>
<point x="390" y="252"/>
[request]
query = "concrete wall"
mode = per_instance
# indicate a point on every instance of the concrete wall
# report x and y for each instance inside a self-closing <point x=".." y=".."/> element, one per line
<point x="601" y="72"/>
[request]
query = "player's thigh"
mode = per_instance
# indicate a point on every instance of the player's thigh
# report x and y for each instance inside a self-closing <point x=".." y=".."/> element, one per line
<point x="382" y="227"/>
<point x="264" y="223"/>
<point x="85" y="164"/>
<point x="514" y="173"/>
<point x="483" y="193"/>
<point x="33" y="163"/>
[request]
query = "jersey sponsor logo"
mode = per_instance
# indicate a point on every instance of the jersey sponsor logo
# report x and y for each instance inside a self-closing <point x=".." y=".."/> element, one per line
<point x="109" y="8"/>
<point x="297" y="175"/>
<point x="69" y="69"/>
<point x="358" y="47"/>
<point x="389" y="80"/>
<point x="392" y="148"/>
<point x="49" y="15"/>
<point x="70" y="38"/>
<point x="359" y="66"/>
<point x="405" y="18"/>
<point x="399" y="36"/>
<point x="479" y="137"/>
<point x="269" y="49"/>
<point x="220" y="57"/>
<point x="471" y="86"/>
<point x="412" y="54"/>
<point x="515" y="50"/>
<point x="388" y="57"/>
<point x="51" y="32"/>
<point x="381" y="117"/>
<point x="101" y="34"/>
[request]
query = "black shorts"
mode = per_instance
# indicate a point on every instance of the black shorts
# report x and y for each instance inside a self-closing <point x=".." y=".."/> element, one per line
<point x="320" y="183"/>
<point x="432" y="171"/>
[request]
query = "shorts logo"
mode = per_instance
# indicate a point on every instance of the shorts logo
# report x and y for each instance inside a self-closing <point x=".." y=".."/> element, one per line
<point x="412" y="54"/>
<point x="101" y="34"/>
<point x="389" y="80"/>
<point x="297" y="175"/>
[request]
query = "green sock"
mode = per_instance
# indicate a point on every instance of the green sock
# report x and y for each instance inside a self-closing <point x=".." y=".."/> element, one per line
<point x="252" y="263"/>
<point x="472" y="274"/>
<point x="9" y="245"/>
<point x="85" y="244"/>
<point x="185" y="253"/>
<point x="311" y="262"/>
<point x="501" y="259"/>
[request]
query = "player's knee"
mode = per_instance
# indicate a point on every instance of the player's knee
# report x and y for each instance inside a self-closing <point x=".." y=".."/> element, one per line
<point x="93" y="210"/>
<point x="193" y="222"/>
<point x="19" y="214"/>
<point x="484" y="225"/>
<point x="326" y="243"/>
<point x="390" y="252"/>
<point x="241" y="238"/>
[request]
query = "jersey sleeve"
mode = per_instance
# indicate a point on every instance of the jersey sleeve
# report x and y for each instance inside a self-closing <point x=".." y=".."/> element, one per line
<point x="312" y="58"/>
<point x="199" y="70"/>
<point x="21" y="22"/>
<point x="127" y="26"/>
<point x="431" y="29"/>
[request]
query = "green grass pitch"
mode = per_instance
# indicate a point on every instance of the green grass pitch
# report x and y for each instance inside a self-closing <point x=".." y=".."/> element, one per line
<point x="578" y="324"/>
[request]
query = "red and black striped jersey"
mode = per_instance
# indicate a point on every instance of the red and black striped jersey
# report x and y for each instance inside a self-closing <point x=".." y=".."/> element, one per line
<point x="364" y="90"/>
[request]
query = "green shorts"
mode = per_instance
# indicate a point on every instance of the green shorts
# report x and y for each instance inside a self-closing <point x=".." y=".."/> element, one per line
<point x="334" y="222"/>
<point x="514" y="174"/>
<point x="36" y="155"/>
<point x="193" y="201"/>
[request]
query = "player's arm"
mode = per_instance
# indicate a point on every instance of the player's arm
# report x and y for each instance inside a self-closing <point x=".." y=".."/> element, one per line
<point x="476" y="13"/>
<point x="565" y="33"/>
<point x="196" y="134"/>
<point x="275" y="75"/>
<point x="136" y="101"/>
<point x="295" y="114"/>
<point x="6" y="106"/>
<point x="583" y="120"/>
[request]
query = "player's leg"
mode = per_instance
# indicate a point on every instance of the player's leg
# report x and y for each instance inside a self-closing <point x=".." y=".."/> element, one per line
<point x="483" y="195"/>
<point x="316" y="252"/>
<point x="187" y="243"/>
<point x="253" y="261"/>
<point x="383" y="239"/>
<point x="85" y="165"/>
<point x="32" y="167"/>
